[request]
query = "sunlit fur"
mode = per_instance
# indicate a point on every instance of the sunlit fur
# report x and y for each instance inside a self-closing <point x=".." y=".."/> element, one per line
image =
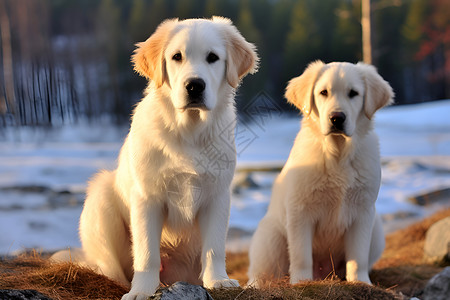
<point x="162" y="215"/>
<point x="321" y="219"/>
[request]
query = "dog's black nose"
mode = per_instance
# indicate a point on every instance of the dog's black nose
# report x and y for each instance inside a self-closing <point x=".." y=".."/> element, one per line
<point x="337" y="119"/>
<point x="195" y="87"/>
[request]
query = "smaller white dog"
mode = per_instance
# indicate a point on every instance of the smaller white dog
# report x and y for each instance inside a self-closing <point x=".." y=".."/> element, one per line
<point x="162" y="215"/>
<point x="322" y="216"/>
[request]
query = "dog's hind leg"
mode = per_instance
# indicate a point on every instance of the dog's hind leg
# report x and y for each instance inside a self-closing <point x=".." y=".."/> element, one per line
<point x="378" y="242"/>
<point x="104" y="234"/>
<point x="75" y="255"/>
<point x="269" y="258"/>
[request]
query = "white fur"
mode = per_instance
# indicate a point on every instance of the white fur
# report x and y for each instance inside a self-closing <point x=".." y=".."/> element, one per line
<point x="322" y="216"/>
<point x="162" y="215"/>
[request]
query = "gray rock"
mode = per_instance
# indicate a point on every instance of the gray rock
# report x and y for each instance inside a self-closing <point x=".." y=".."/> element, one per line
<point x="437" y="241"/>
<point x="182" y="290"/>
<point x="438" y="288"/>
<point x="22" y="295"/>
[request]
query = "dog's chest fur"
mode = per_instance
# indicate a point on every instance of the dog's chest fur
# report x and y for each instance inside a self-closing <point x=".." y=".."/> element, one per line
<point x="332" y="197"/>
<point x="332" y="177"/>
<point x="195" y="177"/>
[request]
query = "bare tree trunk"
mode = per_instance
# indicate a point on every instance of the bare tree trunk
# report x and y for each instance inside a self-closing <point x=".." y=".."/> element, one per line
<point x="366" y="31"/>
<point x="8" y="73"/>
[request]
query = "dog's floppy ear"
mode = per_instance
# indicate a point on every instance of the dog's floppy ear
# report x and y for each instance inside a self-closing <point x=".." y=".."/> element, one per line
<point x="148" y="58"/>
<point x="300" y="89"/>
<point x="242" y="57"/>
<point x="378" y="91"/>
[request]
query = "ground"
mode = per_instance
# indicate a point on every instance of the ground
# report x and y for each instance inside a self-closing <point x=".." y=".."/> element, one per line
<point x="400" y="274"/>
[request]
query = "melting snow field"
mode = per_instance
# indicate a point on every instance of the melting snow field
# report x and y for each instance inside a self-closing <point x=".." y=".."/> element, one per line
<point x="43" y="174"/>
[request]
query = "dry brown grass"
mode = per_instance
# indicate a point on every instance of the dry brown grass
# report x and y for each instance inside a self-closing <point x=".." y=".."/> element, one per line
<point x="326" y="289"/>
<point x="402" y="266"/>
<point x="405" y="246"/>
<point x="58" y="281"/>
<point x="401" y="269"/>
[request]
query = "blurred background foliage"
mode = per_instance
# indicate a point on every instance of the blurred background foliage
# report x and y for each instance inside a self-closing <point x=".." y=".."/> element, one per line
<point x="62" y="60"/>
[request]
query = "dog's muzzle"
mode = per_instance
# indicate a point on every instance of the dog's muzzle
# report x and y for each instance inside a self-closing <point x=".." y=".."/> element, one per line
<point x="195" y="88"/>
<point x="337" y="120"/>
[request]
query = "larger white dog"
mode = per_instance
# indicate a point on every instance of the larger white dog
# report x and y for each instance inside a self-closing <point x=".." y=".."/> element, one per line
<point x="162" y="215"/>
<point x="322" y="217"/>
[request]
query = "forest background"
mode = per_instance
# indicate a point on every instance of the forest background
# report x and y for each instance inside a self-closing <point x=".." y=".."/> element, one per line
<point x="63" y="60"/>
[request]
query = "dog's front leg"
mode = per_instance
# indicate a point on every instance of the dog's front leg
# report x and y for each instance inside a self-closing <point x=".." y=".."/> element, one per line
<point x="213" y="221"/>
<point x="146" y="220"/>
<point x="357" y="246"/>
<point x="300" y="237"/>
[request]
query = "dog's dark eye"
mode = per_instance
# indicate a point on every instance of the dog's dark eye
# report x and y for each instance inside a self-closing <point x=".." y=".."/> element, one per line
<point x="177" y="56"/>
<point x="324" y="93"/>
<point x="212" y="58"/>
<point x="353" y="93"/>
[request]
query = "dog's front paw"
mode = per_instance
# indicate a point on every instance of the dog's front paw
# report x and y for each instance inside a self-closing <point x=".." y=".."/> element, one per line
<point x="253" y="283"/>
<point x="135" y="296"/>
<point x="363" y="277"/>
<point x="357" y="273"/>
<point x="223" y="283"/>
<point x="300" y="275"/>
<point x="144" y="285"/>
